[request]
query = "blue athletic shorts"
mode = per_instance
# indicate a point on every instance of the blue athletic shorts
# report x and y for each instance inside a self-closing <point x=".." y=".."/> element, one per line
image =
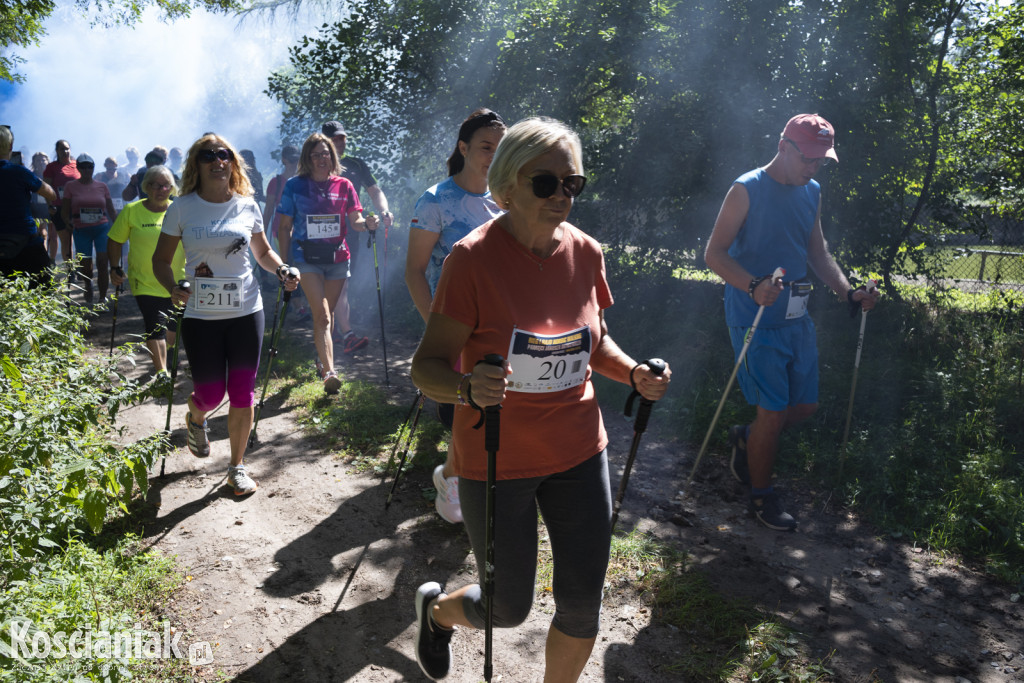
<point x="91" y="236"/>
<point x="781" y="365"/>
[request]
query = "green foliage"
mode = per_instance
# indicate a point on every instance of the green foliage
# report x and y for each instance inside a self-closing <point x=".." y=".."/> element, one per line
<point x="937" y="437"/>
<point x="674" y="100"/>
<point x="80" y="589"/>
<point x="62" y="470"/>
<point x="988" y="82"/>
<point x="21" y="21"/>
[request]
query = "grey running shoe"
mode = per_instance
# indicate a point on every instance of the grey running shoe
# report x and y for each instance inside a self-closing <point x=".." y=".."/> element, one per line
<point x="240" y="479"/>
<point x="433" y="643"/>
<point x="768" y="510"/>
<point x="198" y="437"/>
<point x="738" y="459"/>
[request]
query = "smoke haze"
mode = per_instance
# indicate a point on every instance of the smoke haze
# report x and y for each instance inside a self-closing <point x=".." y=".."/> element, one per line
<point x="104" y="89"/>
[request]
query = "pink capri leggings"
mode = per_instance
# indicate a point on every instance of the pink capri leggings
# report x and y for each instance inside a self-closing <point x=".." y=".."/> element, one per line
<point x="224" y="356"/>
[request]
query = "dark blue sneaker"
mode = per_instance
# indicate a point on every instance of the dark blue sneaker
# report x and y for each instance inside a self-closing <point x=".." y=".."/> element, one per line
<point x="433" y="643"/>
<point x="767" y="509"/>
<point x="738" y="459"/>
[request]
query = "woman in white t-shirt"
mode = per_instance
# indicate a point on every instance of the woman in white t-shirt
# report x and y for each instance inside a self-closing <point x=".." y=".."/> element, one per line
<point x="217" y="221"/>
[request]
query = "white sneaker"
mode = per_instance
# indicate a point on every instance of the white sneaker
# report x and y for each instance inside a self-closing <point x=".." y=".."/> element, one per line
<point x="447" y="501"/>
<point x="241" y="481"/>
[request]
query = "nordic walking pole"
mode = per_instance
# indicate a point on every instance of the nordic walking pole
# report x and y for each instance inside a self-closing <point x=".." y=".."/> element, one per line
<point x="290" y="273"/>
<point x="113" y="322"/>
<point x="187" y="286"/>
<point x="271" y="351"/>
<point x="643" y="414"/>
<point x="492" y="433"/>
<point x="776" y="277"/>
<point x="380" y="303"/>
<point x="871" y="286"/>
<point x="417" y="404"/>
<point x="405" y="423"/>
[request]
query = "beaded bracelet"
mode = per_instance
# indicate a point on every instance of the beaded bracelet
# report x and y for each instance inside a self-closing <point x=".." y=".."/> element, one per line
<point x="458" y="389"/>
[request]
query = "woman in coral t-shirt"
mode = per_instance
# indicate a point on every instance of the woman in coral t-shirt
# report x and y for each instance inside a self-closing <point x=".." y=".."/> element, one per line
<point x="531" y="287"/>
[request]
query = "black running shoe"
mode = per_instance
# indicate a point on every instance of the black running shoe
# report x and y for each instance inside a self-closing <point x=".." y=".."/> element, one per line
<point x="433" y="643"/>
<point x="767" y="509"/>
<point x="738" y="460"/>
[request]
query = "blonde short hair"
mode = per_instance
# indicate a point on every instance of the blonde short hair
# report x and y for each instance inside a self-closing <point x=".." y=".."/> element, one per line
<point x="151" y="175"/>
<point x="6" y="140"/>
<point x="525" y="141"/>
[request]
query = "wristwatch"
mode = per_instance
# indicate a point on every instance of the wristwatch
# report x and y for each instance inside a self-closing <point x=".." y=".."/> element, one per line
<point x="754" y="284"/>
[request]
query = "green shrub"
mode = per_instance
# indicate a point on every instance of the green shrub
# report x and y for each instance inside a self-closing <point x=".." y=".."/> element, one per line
<point x="61" y="469"/>
<point x="91" y="592"/>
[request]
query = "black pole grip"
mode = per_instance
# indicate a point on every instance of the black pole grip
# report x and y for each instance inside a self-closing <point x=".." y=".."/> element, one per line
<point x="292" y="273"/>
<point x="643" y="414"/>
<point x="492" y="414"/>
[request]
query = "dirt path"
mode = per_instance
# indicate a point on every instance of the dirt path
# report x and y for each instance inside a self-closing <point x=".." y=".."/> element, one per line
<point x="310" y="579"/>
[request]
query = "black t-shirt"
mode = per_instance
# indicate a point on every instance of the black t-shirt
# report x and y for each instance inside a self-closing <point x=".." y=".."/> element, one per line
<point x="357" y="172"/>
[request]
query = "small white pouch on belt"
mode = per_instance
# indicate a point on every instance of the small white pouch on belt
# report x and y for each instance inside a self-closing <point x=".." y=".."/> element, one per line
<point x="799" y="294"/>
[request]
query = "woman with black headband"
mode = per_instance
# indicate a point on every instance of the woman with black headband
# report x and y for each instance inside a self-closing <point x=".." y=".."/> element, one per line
<point x="445" y="214"/>
<point x="530" y="286"/>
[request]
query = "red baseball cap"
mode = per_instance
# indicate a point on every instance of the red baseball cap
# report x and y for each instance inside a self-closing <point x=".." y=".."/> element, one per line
<point x="813" y="136"/>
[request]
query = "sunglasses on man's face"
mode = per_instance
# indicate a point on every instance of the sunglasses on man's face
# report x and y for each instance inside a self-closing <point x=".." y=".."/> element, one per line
<point x="85" y="165"/>
<point x="824" y="161"/>
<point x="206" y="156"/>
<point x="545" y="185"/>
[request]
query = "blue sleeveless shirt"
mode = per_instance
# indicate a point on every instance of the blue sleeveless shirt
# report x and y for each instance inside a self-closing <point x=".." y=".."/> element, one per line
<point x="775" y="233"/>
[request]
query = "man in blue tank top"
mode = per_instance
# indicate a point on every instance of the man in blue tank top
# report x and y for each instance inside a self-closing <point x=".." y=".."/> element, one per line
<point x="771" y="218"/>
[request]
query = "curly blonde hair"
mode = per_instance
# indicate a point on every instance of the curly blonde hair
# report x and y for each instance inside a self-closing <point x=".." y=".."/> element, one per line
<point x="190" y="181"/>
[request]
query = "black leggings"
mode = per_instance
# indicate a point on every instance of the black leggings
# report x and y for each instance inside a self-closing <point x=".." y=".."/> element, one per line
<point x="577" y="508"/>
<point x="224" y="354"/>
<point x="157" y="316"/>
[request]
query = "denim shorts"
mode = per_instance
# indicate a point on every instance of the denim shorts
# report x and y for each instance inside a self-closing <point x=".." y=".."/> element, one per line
<point x="91" y="236"/>
<point x="781" y="365"/>
<point x="334" y="271"/>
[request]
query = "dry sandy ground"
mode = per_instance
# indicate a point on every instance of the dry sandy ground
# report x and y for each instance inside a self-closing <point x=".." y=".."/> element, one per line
<point x="311" y="579"/>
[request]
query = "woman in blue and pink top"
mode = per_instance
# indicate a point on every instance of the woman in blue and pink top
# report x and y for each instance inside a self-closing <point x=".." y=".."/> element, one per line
<point x="313" y="211"/>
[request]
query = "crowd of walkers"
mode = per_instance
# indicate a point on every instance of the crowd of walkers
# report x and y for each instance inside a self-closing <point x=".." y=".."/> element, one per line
<point x="513" y="299"/>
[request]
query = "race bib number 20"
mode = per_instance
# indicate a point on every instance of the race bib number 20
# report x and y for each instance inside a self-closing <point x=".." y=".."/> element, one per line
<point x="546" y="363"/>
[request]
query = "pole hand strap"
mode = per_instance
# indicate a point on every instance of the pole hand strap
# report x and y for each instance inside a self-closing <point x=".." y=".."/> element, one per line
<point x="657" y="366"/>
<point x="490" y="359"/>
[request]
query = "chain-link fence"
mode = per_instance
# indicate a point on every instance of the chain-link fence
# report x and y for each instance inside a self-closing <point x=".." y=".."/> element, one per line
<point x="978" y="264"/>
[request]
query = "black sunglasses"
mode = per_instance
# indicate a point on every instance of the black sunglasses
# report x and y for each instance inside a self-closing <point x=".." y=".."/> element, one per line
<point x="206" y="156"/>
<point x="545" y="185"/>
